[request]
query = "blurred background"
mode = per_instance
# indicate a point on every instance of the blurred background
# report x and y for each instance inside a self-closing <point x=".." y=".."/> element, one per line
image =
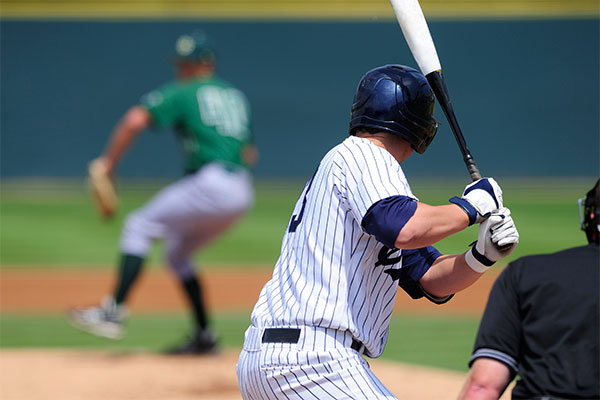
<point x="523" y="77"/>
<point x="524" y="85"/>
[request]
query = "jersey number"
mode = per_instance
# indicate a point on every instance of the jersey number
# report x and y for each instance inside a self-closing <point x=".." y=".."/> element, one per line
<point x="297" y="218"/>
<point x="225" y="109"/>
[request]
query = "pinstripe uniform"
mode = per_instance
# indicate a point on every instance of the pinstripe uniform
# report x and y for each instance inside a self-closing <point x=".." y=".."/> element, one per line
<point x="334" y="282"/>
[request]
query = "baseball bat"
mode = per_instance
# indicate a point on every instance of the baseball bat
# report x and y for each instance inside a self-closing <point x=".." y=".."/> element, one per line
<point x="416" y="32"/>
<point x="414" y="27"/>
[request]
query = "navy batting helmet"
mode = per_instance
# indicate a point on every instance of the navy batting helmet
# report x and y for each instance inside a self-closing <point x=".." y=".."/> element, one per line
<point x="195" y="46"/>
<point x="396" y="99"/>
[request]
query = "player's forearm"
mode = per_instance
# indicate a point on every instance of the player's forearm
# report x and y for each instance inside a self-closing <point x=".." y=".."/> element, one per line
<point x="473" y="391"/>
<point x="448" y="274"/>
<point x="133" y="122"/>
<point x="487" y="380"/>
<point x="431" y="224"/>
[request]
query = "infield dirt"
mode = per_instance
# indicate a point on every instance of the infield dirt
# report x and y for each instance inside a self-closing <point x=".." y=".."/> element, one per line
<point x="227" y="288"/>
<point x="27" y="374"/>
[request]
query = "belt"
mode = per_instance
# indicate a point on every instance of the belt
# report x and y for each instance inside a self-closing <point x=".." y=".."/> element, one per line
<point x="292" y="335"/>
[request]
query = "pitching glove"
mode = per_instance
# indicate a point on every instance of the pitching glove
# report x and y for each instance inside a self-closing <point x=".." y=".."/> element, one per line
<point x="497" y="238"/>
<point x="102" y="188"/>
<point x="480" y="199"/>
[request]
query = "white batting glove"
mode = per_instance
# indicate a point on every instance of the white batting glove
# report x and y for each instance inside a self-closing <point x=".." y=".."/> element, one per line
<point x="497" y="238"/>
<point x="480" y="199"/>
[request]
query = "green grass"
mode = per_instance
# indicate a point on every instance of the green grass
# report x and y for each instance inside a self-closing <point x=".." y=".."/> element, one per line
<point x="52" y="223"/>
<point x="440" y="342"/>
<point x="544" y="209"/>
<point x="443" y="342"/>
<point x="56" y="224"/>
<point x="144" y="331"/>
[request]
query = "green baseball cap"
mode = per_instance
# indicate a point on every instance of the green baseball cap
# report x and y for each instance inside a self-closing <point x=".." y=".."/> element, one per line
<point x="195" y="46"/>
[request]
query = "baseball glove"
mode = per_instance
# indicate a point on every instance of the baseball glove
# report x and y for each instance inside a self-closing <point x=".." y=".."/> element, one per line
<point x="102" y="189"/>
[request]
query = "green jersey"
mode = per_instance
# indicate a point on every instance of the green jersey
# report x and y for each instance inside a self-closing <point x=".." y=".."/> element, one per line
<point x="210" y="116"/>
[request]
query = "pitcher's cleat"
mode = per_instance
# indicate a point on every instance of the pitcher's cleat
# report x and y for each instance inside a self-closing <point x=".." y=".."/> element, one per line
<point x="105" y="320"/>
<point x="202" y="342"/>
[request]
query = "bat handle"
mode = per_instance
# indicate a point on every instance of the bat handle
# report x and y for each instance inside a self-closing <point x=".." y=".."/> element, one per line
<point x="438" y="85"/>
<point x="472" y="167"/>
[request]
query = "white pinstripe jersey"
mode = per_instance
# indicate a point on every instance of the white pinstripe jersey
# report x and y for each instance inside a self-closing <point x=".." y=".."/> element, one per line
<point x="330" y="271"/>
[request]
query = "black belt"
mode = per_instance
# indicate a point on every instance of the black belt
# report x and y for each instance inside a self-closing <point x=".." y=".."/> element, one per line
<point x="292" y="335"/>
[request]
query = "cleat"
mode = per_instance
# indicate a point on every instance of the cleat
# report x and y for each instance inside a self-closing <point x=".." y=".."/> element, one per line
<point x="203" y="342"/>
<point x="105" y="320"/>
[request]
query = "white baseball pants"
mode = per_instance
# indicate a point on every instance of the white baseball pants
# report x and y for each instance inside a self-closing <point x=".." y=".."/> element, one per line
<point x="321" y="365"/>
<point x="188" y="214"/>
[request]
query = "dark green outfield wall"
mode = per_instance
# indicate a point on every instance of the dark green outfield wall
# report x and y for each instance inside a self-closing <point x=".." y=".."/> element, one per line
<point x="526" y="92"/>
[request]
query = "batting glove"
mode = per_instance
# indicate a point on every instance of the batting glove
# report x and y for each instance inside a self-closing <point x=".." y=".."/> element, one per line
<point x="480" y="199"/>
<point x="497" y="239"/>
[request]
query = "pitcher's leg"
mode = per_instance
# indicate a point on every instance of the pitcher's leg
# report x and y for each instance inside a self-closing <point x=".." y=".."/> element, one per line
<point x="179" y="254"/>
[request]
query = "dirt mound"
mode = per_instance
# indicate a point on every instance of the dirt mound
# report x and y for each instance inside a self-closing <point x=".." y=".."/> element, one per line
<point x="93" y="375"/>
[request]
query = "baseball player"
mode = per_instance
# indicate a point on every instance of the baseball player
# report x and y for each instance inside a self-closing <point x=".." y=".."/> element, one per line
<point x="212" y="122"/>
<point x="356" y="233"/>
<point x="542" y="322"/>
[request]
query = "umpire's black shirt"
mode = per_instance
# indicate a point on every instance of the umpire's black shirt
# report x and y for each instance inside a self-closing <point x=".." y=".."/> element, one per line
<point x="542" y="321"/>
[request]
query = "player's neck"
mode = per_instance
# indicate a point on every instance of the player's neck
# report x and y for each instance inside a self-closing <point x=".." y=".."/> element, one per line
<point x="195" y="71"/>
<point x="393" y="144"/>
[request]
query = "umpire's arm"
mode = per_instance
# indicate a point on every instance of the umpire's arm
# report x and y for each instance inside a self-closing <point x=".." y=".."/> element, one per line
<point x="487" y="380"/>
<point x="494" y="362"/>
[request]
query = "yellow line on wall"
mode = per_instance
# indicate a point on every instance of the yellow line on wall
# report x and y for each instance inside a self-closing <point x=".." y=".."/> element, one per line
<point x="290" y="9"/>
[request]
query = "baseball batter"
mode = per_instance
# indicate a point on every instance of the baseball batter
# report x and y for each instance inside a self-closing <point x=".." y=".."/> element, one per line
<point x="212" y="122"/>
<point x="356" y="233"/>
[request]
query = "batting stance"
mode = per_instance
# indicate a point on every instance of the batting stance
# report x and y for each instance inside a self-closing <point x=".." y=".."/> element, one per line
<point x="356" y="233"/>
<point x="212" y="122"/>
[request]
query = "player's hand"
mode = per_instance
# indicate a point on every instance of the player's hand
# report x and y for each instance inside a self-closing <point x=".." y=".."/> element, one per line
<point x="497" y="239"/>
<point x="107" y="164"/>
<point x="480" y="199"/>
<point x="102" y="188"/>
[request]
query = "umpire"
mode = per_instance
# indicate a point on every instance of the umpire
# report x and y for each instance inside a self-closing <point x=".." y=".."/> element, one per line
<point x="541" y="323"/>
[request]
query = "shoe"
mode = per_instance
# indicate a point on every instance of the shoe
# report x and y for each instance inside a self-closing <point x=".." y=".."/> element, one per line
<point x="105" y="320"/>
<point x="202" y="342"/>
